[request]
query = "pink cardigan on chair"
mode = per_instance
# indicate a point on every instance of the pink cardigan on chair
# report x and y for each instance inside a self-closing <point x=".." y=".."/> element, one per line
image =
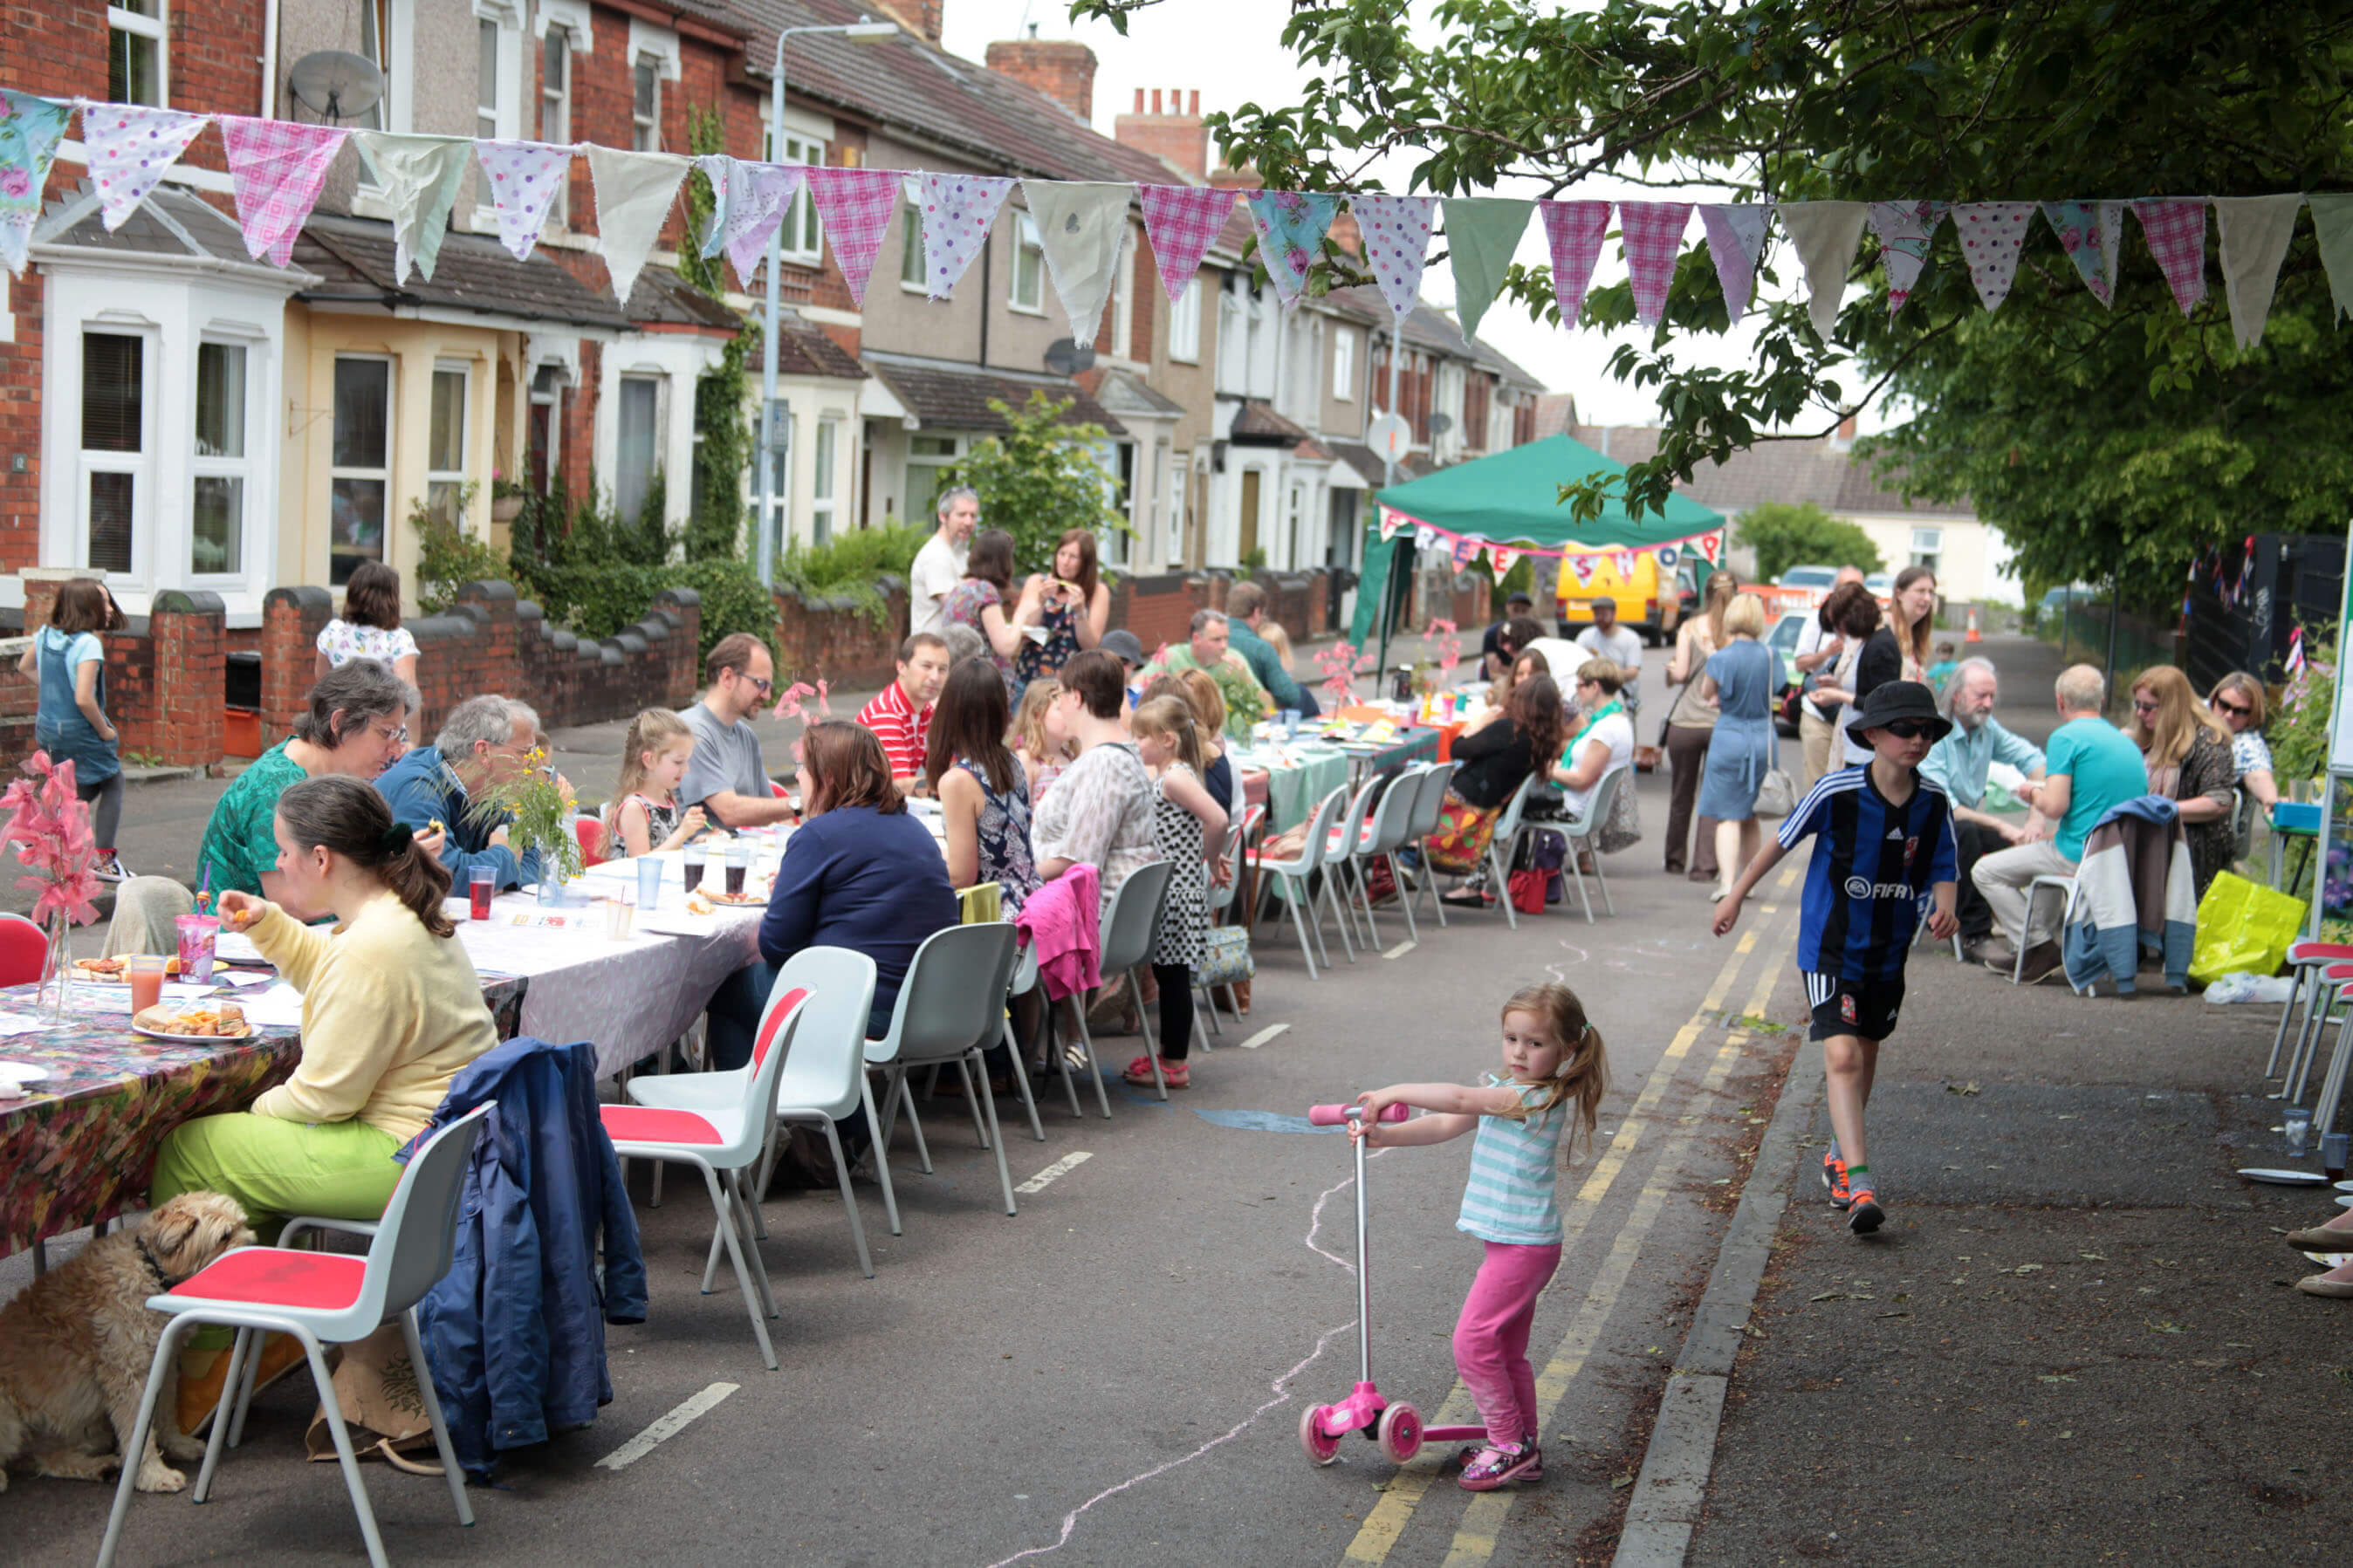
<point x="1061" y="919"/>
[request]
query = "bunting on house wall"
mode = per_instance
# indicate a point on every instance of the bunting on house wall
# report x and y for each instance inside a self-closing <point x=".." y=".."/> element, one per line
<point x="1180" y="223"/>
<point x="524" y="178"/>
<point x="1396" y="231"/>
<point x="276" y="170"/>
<point x="128" y="146"/>
<point x="30" y="130"/>
<point x="749" y="202"/>
<point x="958" y="211"/>
<point x="1290" y="229"/>
<point x="856" y="206"/>
<point x="1084" y="229"/>
<point x="419" y="176"/>
<point x="634" y="191"/>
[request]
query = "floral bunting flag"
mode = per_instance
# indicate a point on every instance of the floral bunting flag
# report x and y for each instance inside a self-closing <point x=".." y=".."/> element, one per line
<point x="1501" y="557"/>
<point x="1181" y="222"/>
<point x="634" y="192"/>
<point x="958" y="212"/>
<point x="419" y="176"/>
<point x="524" y="178"/>
<point x="1082" y="228"/>
<point x="1575" y="231"/>
<point x="30" y="130"/>
<point x="1395" y="230"/>
<point x="2090" y="233"/>
<point x="128" y="146"/>
<point x="1991" y="235"/>
<point x="720" y="171"/>
<point x="2176" y="233"/>
<point x="1825" y="234"/>
<point x="856" y="206"/>
<point x="1735" y="237"/>
<point x="1653" y="233"/>
<point x="2332" y="223"/>
<point x="1905" y="230"/>
<point x="1290" y="229"/>
<point x="2255" y="232"/>
<point x="1481" y="232"/>
<point x="760" y="195"/>
<point x="276" y="169"/>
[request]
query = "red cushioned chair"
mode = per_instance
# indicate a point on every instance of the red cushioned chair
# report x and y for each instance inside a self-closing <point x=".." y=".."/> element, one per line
<point x="23" y="949"/>
<point x="591" y="833"/>
<point x="322" y="1297"/>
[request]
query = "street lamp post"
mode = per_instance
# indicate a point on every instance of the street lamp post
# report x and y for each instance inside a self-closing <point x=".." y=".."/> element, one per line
<point x="772" y="426"/>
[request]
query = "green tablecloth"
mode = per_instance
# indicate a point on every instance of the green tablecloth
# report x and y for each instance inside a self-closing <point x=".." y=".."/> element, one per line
<point x="1293" y="792"/>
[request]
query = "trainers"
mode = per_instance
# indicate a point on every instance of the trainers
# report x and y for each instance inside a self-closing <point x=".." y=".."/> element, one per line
<point x="1834" y="1178"/>
<point x="1469" y="1451"/>
<point x="1493" y="1467"/>
<point x="1864" y="1213"/>
<point x="110" y="868"/>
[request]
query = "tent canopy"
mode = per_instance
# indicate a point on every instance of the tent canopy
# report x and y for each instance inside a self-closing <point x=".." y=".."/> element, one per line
<point x="1513" y="498"/>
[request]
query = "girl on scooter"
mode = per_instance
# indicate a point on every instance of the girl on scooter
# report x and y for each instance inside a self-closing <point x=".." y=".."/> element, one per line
<point x="1554" y="1070"/>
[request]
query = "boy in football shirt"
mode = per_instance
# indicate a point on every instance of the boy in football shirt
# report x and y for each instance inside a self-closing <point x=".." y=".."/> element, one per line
<point x="1883" y="845"/>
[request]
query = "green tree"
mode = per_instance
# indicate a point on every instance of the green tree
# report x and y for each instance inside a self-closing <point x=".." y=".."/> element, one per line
<point x="1784" y="536"/>
<point x="1041" y="479"/>
<point x="2106" y="441"/>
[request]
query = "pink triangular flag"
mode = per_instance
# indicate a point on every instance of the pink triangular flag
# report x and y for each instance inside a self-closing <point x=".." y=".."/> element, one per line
<point x="1501" y="557"/>
<point x="1391" y="522"/>
<point x="856" y="206"/>
<point x="1396" y="231"/>
<point x="1574" y="230"/>
<point x="128" y="147"/>
<point x="1653" y="233"/>
<point x="276" y="169"/>
<point x="958" y="211"/>
<point x="524" y="178"/>
<point x="1736" y="236"/>
<point x="1991" y="235"/>
<point x="2176" y="232"/>
<point x="1182" y="222"/>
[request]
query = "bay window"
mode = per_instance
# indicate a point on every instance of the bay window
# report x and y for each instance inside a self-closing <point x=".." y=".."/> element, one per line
<point x="445" y="444"/>
<point x="136" y="34"/>
<point x="360" y="481"/>
<point x="114" y="450"/>
<point x="221" y="466"/>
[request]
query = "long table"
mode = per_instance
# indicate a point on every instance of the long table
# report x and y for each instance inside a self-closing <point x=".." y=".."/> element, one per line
<point x="1300" y="773"/>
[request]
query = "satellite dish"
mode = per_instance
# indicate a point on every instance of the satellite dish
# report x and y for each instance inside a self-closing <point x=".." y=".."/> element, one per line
<point x="335" y="84"/>
<point x="1440" y="424"/>
<point x="1068" y="358"/>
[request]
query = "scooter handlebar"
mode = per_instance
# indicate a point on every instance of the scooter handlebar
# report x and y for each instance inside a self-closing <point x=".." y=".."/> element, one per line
<point x="1338" y="1115"/>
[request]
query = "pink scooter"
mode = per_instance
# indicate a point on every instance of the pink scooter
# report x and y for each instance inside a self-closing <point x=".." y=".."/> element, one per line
<point x="1396" y="1427"/>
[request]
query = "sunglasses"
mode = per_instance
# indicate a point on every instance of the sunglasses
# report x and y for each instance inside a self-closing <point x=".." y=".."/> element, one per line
<point x="1904" y="729"/>
<point x="2141" y="707"/>
<point x="2242" y="708"/>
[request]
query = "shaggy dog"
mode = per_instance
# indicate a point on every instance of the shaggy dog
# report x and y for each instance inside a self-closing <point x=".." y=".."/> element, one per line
<point x="76" y="1347"/>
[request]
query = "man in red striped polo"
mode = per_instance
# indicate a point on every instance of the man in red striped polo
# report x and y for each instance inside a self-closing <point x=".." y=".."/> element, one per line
<point x="901" y="713"/>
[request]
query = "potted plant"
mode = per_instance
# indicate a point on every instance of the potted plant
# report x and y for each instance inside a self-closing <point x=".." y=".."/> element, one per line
<point x="506" y="498"/>
<point x="537" y="810"/>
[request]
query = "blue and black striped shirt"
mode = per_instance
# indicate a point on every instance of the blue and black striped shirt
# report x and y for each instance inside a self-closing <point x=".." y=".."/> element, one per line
<point x="1874" y="865"/>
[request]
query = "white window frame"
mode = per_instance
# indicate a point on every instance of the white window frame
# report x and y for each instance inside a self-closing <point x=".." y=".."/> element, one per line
<point x="1344" y="364"/>
<point x="158" y="27"/>
<point x="1026" y="238"/>
<point x="391" y="449"/>
<point x="1927" y="541"/>
<point x="141" y="464"/>
<point x="958" y="447"/>
<point x="560" y="99"/>
<point x="241" y="467"/>
<point x="657" y="46"/>
<point x="394" y="111"/>
<point x="661" y="385"/>
<point x="825" y="478"/>
<point x="1185" y="323"/>
<point x="645" y="123"/>
<point x="450" y="481"/>
<point x="550" y="397"/>
<point x="801" y="236"/>
<point x="510" y="84"/>
<point x="779" y="521"/>
<point x="1179" y="495"/>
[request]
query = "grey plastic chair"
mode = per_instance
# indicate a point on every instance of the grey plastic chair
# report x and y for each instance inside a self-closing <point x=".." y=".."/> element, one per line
<point x="1296" y="881"/>
<point x="1503" y="845"/>
<point x="1580" y="829"/>
<point x="950" y="1008"/>
<point x="1344" y="852"/>
<point x="1128" y="928"/>
<point x="1427" y="807"/>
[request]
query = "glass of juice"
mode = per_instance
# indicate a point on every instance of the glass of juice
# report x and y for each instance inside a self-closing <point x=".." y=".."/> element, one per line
<point x="690" y="863"/>
<point x="739" y="861"/>
<point x="482" y="883"/>
<point x="145" y="971"/>
<point x="198" y="933"/>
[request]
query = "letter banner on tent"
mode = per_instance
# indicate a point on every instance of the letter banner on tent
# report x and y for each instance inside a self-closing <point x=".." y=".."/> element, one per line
<point x="1582" y="566"/>
<point x="1652" y="234"/>
<point x="1391" y="520"/>
<point x="1991" y="235"/>
<point x="1711" y="544"/>
<point x="1575" y="231"/>
<point x="1668" y="555"/>
<point x="1501" y="556"/>
<point x="128" y="146"/>
<point x="1905" y="230"/>
<point x="1425" y="537"/>
<point x="1623" y="561"/>
<point x="1181" y="222"/>
<point x="1466" y="553"/>
<point x="1735" y="237"/>
<point x="1397" y="244"/>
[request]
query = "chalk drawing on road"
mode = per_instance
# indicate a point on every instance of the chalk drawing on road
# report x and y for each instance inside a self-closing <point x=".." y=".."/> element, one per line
<point x="1262" y="1121"/>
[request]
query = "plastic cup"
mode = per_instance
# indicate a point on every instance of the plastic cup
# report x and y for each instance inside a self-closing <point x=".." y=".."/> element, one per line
<point x="481" y="884"/>
<point x="198" y="933"/>
<point x="2332" y="1149"/>
<point x="617" y="919"/>
<point x="649" y="872"/>
<point x="146" y="974"/>
<point x="2295" y="1123"/>
<point x="1289" y="717"/>
<point x="739" y="861"/>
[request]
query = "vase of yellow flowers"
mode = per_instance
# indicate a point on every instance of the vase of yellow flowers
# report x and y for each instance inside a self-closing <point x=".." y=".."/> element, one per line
<point x="536" y="807"/>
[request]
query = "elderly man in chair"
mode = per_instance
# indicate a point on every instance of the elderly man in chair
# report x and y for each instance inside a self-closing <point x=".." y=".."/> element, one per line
<point x="1958" y="765"/>
<point x="484" y="743"/>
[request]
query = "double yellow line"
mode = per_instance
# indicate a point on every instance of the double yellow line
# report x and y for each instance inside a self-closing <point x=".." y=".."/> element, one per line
<point x="1475" y="1540"/>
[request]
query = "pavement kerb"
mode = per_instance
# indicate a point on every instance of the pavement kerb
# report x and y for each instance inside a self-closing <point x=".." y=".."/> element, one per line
<point x="1672" y="1486"/>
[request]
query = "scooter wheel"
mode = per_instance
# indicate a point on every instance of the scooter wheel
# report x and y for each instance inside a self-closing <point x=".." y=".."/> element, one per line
<point x="1320" y="1446"/>
<point x="1400" y="1433"/>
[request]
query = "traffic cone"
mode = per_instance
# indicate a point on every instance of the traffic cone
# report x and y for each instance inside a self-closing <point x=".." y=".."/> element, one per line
<point x="1973" y="635"/>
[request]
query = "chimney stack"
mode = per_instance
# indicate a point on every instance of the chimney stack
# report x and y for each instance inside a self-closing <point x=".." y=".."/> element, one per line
<point x="1062" y="68"/>
<point x="1173" y="135"/>
<point x="922" y="17"/>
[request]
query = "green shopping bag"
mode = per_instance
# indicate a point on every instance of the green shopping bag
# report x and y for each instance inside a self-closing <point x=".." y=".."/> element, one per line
<point x="2243" y="926"/>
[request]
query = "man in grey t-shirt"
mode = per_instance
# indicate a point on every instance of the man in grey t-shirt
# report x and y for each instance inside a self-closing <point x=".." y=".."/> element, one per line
<point x="726" y="775"/>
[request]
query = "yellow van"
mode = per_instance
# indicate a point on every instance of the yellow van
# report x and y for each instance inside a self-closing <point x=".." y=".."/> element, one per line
<point x="1649" y="602"/>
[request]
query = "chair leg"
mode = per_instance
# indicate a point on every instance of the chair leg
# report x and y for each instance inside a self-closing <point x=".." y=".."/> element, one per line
<point x="1300" y="925"/>
<point x="1021" y="1081"/>
<point x="334" y="1410"/>
<point x="1057" y="1053"/>
<point x="752" y="1214"/>
<point x="1151" y="1046"/>
<point x="1405" y="904"/>
<point x="432" y="1400"/>
<point x="719" y="1204"/>
<point x="994" y="1138"/>
<point x="1428" y="879"/>
<point x="1094" y="1068"/>
<point x="1365" y="897"/>
<point x="1209" y="1002"/>
<point x="914" y="1125"/>
<point x="1329" y="895"/>
<point x="166" y="1350"/>
<point x="245" y="1391"/>
<point x="882" y="1165"/>
<point x="1583" y="896"/>
<point x="733" y="1182"/>
<point x="1608" y="905"/>
<point x="2296" y="992"/>
<point x="232" y="1387"/>
<point x="972" y="1097"/>
<point x="1499" y="873"/>
<point x="848" y="1198"/>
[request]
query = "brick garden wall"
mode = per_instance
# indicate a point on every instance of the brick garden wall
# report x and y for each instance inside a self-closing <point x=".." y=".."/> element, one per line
<point x="834" y="639"/>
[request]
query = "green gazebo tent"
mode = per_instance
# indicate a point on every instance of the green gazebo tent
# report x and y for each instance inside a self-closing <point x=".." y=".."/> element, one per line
<point x="1510" y="497"/>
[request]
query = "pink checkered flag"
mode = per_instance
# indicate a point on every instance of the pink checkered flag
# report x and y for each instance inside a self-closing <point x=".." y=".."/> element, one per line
<point x="2176" y="232"/>
<point x="1735" y="237"/>
<point x="129" y="148"/>
<point x="1395" y="232"/>
<point x="524" y="178"/>
<point x="1653" y="233"/>
<point x="1991" y="235"/>
<point x="856" y="208"/>
<point x="958" y="211"/>
<point x="1574" y="230"/>
<point x="1182" y="222"/>
<point x="276" y="169"/>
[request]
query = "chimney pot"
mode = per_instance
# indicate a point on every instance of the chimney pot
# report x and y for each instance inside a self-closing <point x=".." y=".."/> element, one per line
<point x="1156" y="100"/>
<point x="1195" y="109"/>
<point x="1139" y="101"/>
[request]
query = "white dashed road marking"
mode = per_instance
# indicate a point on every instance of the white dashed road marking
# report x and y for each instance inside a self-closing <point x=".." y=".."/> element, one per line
<point x="669" y="1426"/>
<point x="1255" y="1041"/>
<point x="1061" y="1167"/>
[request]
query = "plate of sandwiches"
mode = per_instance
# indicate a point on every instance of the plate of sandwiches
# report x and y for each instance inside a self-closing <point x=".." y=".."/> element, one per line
<point x="115" y="970"/>
<point x="196" y="1022"/>
<point x="701" y="901"/>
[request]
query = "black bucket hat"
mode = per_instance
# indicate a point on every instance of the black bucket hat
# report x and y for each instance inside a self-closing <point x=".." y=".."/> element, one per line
<point x="1898" y="700"/>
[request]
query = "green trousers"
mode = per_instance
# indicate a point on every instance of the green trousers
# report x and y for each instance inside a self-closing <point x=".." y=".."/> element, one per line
<point x="275" y="1169"/>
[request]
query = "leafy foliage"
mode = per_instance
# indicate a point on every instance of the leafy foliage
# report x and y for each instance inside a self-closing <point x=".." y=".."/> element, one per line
<point x="2298" y="730"/>
<point x="846" y="565"/>
<point x="1784" y="536"/>
<point x="448" y="557"/>
<point x="2105" y="442"/>
<point x="590" y="571"/>
<point x="1041" y="479"/>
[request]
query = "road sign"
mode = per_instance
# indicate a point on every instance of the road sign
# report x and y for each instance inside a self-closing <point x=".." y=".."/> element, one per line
<point x="1390" y="437"/>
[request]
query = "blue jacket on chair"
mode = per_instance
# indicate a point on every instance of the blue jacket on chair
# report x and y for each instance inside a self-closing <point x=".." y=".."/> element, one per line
<point x="514" y="1333"/>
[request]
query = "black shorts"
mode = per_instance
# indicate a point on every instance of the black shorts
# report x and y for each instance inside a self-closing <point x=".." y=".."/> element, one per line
<point x="1867" y="1008"/>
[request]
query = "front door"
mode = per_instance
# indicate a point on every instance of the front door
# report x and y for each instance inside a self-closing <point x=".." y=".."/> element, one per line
<point x="1250" y="516"/>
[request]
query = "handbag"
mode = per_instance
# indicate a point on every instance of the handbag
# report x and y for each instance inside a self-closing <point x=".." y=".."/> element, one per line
<point x="1778" y="795"/>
